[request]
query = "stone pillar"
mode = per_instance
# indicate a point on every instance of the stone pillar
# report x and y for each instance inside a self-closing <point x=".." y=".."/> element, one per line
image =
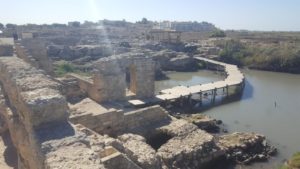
<point x="144" y="76"/>
<point x="109" y="82"/>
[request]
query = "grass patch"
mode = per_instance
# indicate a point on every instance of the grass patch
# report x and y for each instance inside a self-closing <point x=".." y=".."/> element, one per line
<point x="63" y="68"/>
<point x="293" y="162"/>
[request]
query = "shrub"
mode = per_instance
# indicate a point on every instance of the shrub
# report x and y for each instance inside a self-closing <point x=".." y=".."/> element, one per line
<point x="218" y="34"/>
<point x="64" y="68"/>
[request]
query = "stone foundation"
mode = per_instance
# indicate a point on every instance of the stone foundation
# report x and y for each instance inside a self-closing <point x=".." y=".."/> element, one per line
<point x="115" y="122"/>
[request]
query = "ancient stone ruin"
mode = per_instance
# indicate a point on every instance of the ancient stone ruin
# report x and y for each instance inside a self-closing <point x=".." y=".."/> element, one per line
<point x="101" y="129"/>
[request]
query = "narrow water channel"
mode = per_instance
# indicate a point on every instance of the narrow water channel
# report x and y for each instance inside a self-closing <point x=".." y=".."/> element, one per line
<point x="270" y="105"/>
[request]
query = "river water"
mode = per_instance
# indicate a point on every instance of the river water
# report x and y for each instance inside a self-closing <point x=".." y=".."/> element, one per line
<point x="270" y="105"/>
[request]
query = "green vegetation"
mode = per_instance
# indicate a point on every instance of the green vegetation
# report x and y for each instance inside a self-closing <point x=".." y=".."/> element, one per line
<point x="282" y="56"/>
<point x="234" y="52"/>
<point x="63" y="68"/>
<point x="11" y="26"/>
<point x="218" y="34"/>
<point x="143" y="21"/>
<point x="293" y="163"/>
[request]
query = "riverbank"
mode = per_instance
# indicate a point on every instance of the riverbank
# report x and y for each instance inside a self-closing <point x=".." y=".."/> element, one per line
<point x="278" y="56"/>
<point x="256" y="111"/>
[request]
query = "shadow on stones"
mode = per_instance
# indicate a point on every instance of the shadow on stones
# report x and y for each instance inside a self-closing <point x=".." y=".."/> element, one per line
<point x="54" y="131"/>
<point x="157" y="140"/>
<point x="10" y="153"/>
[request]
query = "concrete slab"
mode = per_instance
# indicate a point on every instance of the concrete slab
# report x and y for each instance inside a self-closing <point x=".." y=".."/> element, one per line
<point x="136" y="103"/>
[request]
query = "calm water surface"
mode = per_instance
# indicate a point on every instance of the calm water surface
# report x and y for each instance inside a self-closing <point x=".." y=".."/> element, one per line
<point x="257" y="111"/>
<point x="187" y="78"/>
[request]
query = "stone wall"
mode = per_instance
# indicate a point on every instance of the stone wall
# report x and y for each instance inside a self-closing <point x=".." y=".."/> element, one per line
<point x="145" y="77"/>
<point x="94" y="116"/>
<point x="108" y="87"/>
<point x="95" y="87"/>
<point x="35" y="102"/>
<point x="6" y="46"/>
<point x="139" y="120"/>
<point x="23" y="53"/>
<point x="71" y="89"/>
<point x="36" y="50"/>
<point x="109" y="80"/>
<point x="115" y="122"/>
<point x="31" y="92"/>
<point x="110" y="77"/>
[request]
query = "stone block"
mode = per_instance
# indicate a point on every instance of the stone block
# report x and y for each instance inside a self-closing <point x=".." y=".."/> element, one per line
<point x="6" y="47"/>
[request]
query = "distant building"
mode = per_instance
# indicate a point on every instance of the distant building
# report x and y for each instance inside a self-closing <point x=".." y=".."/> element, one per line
<point x="192" y="26"/>
<point x="166" y="25"/>
<point x="6" y="46"/>
<point x="185" y="26"/>
<point x="26" y="35"/>
<point x="161" y="35"/>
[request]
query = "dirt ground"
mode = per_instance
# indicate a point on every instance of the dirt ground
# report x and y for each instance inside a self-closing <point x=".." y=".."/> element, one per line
<point x="8" y="155"/>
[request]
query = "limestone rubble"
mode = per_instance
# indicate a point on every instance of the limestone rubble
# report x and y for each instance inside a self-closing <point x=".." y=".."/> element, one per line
<point x="245" y="148"/>
<point x="193" y="150"/>
<point x="139" y="151"/>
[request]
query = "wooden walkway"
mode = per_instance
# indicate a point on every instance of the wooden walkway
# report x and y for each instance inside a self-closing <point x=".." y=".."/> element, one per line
<point x="234" y="78"/>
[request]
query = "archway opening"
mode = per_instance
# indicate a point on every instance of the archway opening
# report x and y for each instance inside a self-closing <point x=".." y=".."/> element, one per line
<point x="131" y="80"/>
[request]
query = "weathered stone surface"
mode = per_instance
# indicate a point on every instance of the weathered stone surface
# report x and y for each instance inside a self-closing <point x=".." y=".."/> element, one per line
<point x="183" y="63"/>
<point x="3" y="124"/>
<point x="22" y="136"/>
<point x="114" y="122"/>
<point x="245" y="148"/>
<point x="204" y="122"/>
<point x="71" y="89"/>
<point x="70" y="53"/>
<point x="94" y="116"/>
<point x="139" y="151"/>
<point x="35" y="53"/>
<point x="8" y="154"/>
<point x="178" y="128"/>
<point x="110" y="78"/>
<point x="6" y="46"/>
<point x="36" y="94"/>
<point x="174" y="61"/>
<point x="29" y="107"/>
<point x="66" y="147"/>
<point x="145" y="120"/>
<point x="193" y="150"/>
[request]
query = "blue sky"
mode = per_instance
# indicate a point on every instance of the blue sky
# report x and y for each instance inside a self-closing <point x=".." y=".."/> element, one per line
<point x="226" y="14"/>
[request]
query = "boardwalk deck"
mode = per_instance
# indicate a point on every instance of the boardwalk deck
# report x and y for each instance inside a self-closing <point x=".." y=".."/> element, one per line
<point x="234" y="77"/>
